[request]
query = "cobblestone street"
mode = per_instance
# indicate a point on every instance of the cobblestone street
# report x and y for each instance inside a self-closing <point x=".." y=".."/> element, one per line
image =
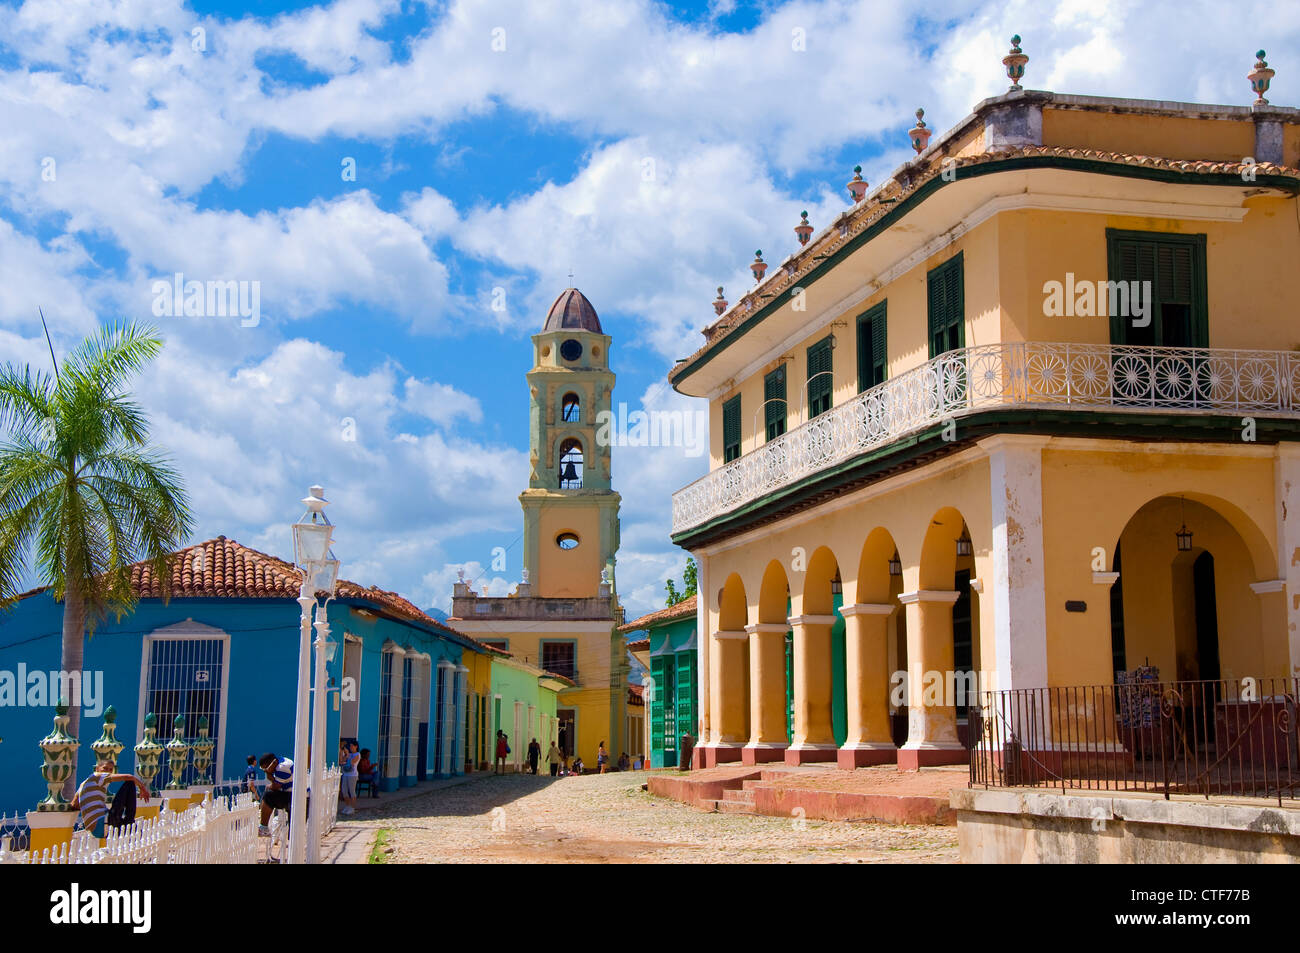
<point x="523" y="819"/>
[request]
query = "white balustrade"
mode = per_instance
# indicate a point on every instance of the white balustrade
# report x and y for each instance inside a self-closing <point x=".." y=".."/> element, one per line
<point x="1014" y="375"/>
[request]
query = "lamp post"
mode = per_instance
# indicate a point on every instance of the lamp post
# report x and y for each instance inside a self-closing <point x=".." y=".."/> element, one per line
<point x="311" y="554"/>
<point x="324" y="653"/>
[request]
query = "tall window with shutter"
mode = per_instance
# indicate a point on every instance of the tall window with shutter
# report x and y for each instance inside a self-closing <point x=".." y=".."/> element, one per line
<point x="872" y="362"/>
<point x="946" y="307"/>
<point x="731" y="429"/>
<point x="774" y="412"/>
<point x="820" y="378"/>
<point x="1174" y="266"/>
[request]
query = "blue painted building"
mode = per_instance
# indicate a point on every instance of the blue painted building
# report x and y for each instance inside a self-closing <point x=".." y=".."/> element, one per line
<point x="225" y="646"/>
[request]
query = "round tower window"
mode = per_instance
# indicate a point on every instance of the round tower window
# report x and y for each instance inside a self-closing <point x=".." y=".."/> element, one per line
<point x="571" y="350"/>
<point x="567" y="541"/>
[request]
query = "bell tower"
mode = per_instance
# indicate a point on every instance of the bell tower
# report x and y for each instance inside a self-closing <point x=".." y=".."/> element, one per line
<point x="570" y="509"/>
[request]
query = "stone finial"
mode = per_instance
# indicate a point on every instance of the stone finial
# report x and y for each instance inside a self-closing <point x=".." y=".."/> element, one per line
<point x="1259" y="78"/>
<point x="758" y="266"/>
<point x="60" y="751"/>
<point x="202" y="746"/>
<point x="719" y="303"/>
<point x="803" y="229"/>
<point x="148" y="751"/>
<point x="106" y="747"/>
<point x="460" y="574"/>
<point x="178" y="753"/>
<point x="919" y="134"/>
<point x="1015" y="63"/>
<point x="857" y="185"/>
<point x="524" y="576"/>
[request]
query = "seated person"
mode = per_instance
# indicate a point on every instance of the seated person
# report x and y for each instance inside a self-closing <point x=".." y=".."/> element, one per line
<point x="576" y="768"/>
<point x="250" y="777"/>
<point x="367" y="770"/>
<point x="91" y="798"/>
<point x="624" y="762"/>
<point x="279" y="790"/>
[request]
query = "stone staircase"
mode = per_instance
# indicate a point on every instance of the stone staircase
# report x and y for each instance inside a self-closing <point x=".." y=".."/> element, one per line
<point x="737" y="800"/>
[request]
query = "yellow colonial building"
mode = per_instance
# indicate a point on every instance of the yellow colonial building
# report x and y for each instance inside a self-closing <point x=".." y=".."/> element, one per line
<point x="562" y="616"/>
<point x="1026" y="414"/>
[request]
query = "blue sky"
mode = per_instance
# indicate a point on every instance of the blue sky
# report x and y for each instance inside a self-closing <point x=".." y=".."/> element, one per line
<point x="647" y="147"/>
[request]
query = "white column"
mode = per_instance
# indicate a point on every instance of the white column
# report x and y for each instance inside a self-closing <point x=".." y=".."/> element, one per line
<point x="393" y="763"/>
<point x="702" y="640"/>
<point x="445" y="714"/>
<point x="1019" y="583"/>
<point x="1287" y="475"/>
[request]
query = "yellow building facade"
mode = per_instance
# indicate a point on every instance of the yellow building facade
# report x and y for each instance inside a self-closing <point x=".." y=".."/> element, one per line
<point x="562" y="616"/>
<point x="968" y="428"/>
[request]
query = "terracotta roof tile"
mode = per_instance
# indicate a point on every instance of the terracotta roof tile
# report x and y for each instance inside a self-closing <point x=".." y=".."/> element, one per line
<point x="222" y="568"/>
<point x="678" y="610"/>
<point x="857" y="218"/>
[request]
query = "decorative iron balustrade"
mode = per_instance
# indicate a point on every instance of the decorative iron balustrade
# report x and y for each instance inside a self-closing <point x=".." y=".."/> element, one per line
<point x="1226" y="738"/>
<point x="1013" y="375"/>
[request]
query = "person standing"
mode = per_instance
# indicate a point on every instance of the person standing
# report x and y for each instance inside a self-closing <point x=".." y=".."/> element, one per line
<point x="534" y="755"/>
<point x="348" y="758"/>
<point x="554" y="759"/>
<point x="279" y="789"/>
<point x="602" y="758"/>
<point x="503" y="749"/>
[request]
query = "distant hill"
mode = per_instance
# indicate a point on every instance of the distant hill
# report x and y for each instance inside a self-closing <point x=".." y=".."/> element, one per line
<point x="437" y="614"/>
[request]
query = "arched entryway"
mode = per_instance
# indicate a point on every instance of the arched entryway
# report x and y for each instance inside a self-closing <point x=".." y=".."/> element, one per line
<point x="769" y="670"/>
<point x="1183" y="607"/>
<point x="818" y="663"/>
<point x="942" y="644"/>
<point x="871" y="624"/>
<point x="729" y="676"/>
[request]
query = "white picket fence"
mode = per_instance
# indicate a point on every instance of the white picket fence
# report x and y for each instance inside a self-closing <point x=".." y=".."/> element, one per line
<point x="222" y="830"/>
<point x="219" y="831"/>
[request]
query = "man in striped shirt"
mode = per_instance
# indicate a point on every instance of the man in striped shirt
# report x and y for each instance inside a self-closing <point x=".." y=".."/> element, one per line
<point x="91" y="798"/>
<point x="279" y="790"/>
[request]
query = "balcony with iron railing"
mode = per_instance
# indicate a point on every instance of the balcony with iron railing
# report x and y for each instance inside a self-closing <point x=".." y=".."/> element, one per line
<point x="1025" y="375"/>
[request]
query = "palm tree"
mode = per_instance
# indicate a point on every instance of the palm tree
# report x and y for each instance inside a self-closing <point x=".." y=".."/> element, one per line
<point x="79" y="489"/>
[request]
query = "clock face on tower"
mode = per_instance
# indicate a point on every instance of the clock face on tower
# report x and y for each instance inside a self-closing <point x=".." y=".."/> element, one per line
<point x="571" y="350"/>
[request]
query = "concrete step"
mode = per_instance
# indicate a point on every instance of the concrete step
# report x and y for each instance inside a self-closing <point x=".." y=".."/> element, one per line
<point x="742" y="795"/>
<point x="735" y="807"/>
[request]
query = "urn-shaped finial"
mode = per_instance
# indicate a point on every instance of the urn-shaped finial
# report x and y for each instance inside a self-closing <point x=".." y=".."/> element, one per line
<point x="202" y="746"/>
<point x="148" y="751"/>
<point x="60" y="751"/>
<point x="919" y="134"/>
<point x="1015" y="63"/>
<point x="758" y="266"/>
<point x="1260" y="77"/>
<point x="857" y="185"/>
<point x="106" y="747"/>
<point x="719" y="303"/>
<point x="803" y="229"/>
<point x="178" y="753"/>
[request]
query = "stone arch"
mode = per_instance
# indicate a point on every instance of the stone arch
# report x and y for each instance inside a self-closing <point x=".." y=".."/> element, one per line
<point x="875" y="584"/>
<point x="774" y="594"/>
<point x="822" y="573"/>
<point x="733" y="611"/>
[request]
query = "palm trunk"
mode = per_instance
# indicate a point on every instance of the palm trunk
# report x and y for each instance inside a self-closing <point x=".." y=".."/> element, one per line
<point x="74" y="635"/>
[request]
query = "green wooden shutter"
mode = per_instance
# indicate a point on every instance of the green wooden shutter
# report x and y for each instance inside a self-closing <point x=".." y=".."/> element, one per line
<point x="1175" y="266"/>
<point x="731" y="429"/>
<point x="657" y="704"/>
<point x="686" y="693"/>
<point x="945" y="311"/>
<point x="820" y="381"/>
<point x="872" y="354"/>
<point x="774" y="405"/>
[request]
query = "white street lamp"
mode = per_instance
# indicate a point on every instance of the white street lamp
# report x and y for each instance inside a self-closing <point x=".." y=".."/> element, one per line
<point x="312" y="535"/>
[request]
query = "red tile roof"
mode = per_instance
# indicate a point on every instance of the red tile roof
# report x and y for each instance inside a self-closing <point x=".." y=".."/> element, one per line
<point x="222" y="568"/>
<point x="678" y="610"/>
<point x="640" y="645"/>
<point x="908" y="180"/>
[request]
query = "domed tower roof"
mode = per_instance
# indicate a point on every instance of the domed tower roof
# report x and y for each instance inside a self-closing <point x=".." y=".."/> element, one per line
<point x="572" y="310"/>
